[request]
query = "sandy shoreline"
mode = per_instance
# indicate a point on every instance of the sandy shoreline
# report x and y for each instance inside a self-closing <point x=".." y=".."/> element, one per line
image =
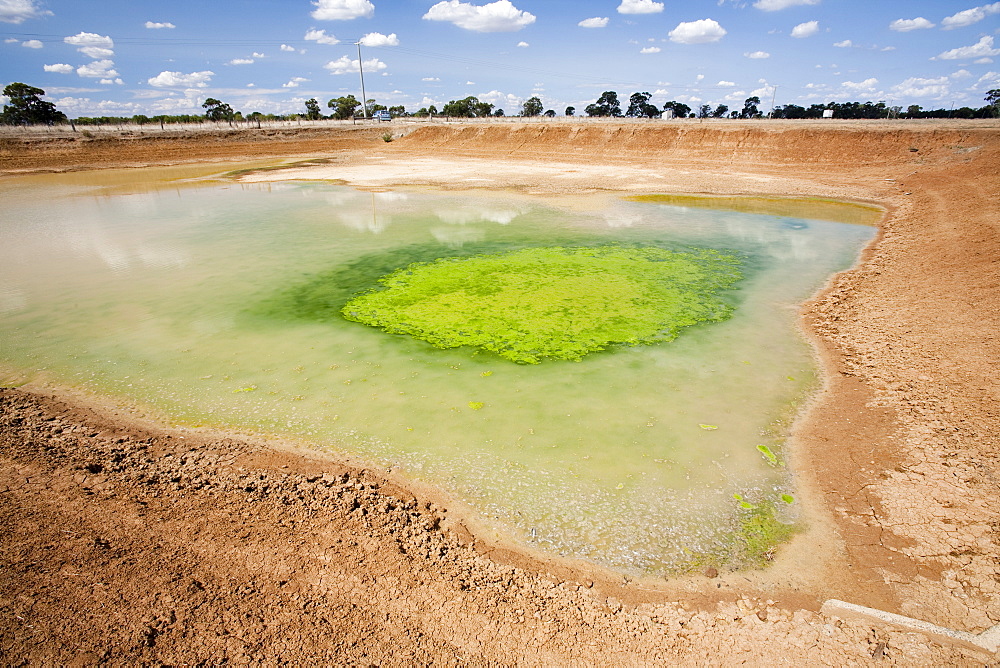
<point x="898" y="449"/>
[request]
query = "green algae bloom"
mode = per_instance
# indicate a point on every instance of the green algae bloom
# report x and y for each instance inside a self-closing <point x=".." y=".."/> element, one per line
<point x="552" y="302"/>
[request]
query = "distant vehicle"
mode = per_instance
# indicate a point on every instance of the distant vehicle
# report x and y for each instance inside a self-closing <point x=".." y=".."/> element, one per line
<point x="382" y="115"/>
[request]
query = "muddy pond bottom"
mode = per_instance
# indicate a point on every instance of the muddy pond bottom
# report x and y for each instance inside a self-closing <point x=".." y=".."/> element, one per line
<point x="221" y="304"/>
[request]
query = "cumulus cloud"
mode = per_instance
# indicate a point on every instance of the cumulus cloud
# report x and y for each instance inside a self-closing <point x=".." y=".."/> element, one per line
<point x="32" y="44"/>
<point x="294" y="82"/>
<point x="84" y="40"/>
<point x="523" y="45"/>
<point x="757" y="55"/>
<point x="776" y="5"/>
<point x="726" y="84"/>
<point x="846" y="44"/>
<point x="982" y="48"/>
<point x="241" y="61"/>
<point x="860" y="86"/>
<point x="378" y="39"/>
<point x="499" y="16"/>
<point x="650" y="49"/>
<point x="342" y="10"/>
<point x="431" y="79"/>
<point x="19" y="11"/>
<point x="807" y="29"/>
<point x="640" y="7"/>
<point x="921" y="87"/>
<point x="153" y="25"/>
<point x="99" y="69"/>
<point x="344" y="65"/>
<point x="96" y="52"/>
<point x="595" y="22"/>
<point x="970" y="16"/>
<point x="906" y="25"/>
<point x="703" y="31"/>
<point x="59" y="68"/>
<point x="179" y="80"/>
<point x="320" y="37"/>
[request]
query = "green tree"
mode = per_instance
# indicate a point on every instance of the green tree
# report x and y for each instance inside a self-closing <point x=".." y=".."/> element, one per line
<point x="704" y="111"/>
<point x="532" y="107"/>
<point x="680" y="109"/>
<point x="343" y="107"/>
<point x="607" y="105"/>
<point x="993" y="100"/>
<point x="26" y="106"/>
<point x="312" y="110"/>
<point x="570" y="111"/>
<point x="216" y="110"/>
<point x="639" y="106"/>
<point x="469" y="107"/>
<point x="397" y="111"/>
<point x="750" y="108"/>
<point x="720" y="111"/>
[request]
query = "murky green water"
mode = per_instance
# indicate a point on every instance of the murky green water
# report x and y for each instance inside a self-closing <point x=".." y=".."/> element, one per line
<point x="214" y="305"/>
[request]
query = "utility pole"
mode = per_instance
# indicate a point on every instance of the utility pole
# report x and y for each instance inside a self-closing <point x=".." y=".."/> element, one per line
<point x="361" y="69"/>
<point x="774" y="92"/>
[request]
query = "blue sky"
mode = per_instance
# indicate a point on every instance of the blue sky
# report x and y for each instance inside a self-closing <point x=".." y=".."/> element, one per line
<point x="126" y="57"/>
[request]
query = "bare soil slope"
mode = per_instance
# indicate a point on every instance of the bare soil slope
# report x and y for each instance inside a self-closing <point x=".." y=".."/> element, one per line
<point x="127" y="542"/>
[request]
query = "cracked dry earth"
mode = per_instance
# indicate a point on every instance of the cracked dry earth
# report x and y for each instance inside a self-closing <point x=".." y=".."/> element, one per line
<point x="144" y="546"/>
<point x="126" y="542"/>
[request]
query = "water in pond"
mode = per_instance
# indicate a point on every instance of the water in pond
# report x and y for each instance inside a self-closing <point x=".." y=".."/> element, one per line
<point x="219" y="305"/>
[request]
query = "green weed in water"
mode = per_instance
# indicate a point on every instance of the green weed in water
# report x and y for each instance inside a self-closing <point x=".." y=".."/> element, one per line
<point x="551" y="302"/>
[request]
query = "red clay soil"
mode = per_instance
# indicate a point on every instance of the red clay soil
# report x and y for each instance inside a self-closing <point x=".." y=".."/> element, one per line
<point x="127" y="542"/>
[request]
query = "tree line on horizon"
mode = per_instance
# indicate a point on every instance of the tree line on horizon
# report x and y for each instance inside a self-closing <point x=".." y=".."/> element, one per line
<point x="26" y="107"/>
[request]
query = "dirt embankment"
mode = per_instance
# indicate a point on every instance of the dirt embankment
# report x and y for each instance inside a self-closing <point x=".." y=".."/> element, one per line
<point x="134" y="540"/>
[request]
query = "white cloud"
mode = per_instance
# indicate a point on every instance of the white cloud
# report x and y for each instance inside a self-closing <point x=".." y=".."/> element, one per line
<point x="650" y="49"/>
<point x="285" y="47"/>
<point x="991" y="78"/>
<point x="378" y="39"/>
<point x="757" y="55"/>
<point x="19" y="11"/>
<point x="776" y="5"/>
<point x="983" y="61"/>
<point x="906" y="25"/>
<point x="727" y="84"/>
<point x="320" y="36"/>
<point x="859" y="86"/>
<point x="99" y="69"/>
<point x="970" y="16"/>
<point x="342" y="10"/>
<point x="32" y="44"/>
<point x="294" y="82"/>
<point x="595" y="22"/>
<point x="59" y="68"/>
<point x="703" y="31"/>
<point x="523" y="45"/>
<point x="431" y="79"/>
<point x="499" y="16"/>
<point x="111" y="81"/>
<point x="920" y="87"/>
<point x="177" y="79"/>
<point x="258" y="55"/>
<point x="241" y="61"/>
<point x="344" y="65"/>
<point x="96" y="52"/>
<point x="152" y="25"/>
<point x="807" y="29"/>
<point x="982" y="48"/>
<point x="846" y="44"/>
<point x="640" y="7"/>
<point x="88" y="39"/>
<point x="961" y="74"/>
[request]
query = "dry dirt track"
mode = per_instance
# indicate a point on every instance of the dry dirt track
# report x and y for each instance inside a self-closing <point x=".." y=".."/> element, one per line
<point x="233" y="550"/>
